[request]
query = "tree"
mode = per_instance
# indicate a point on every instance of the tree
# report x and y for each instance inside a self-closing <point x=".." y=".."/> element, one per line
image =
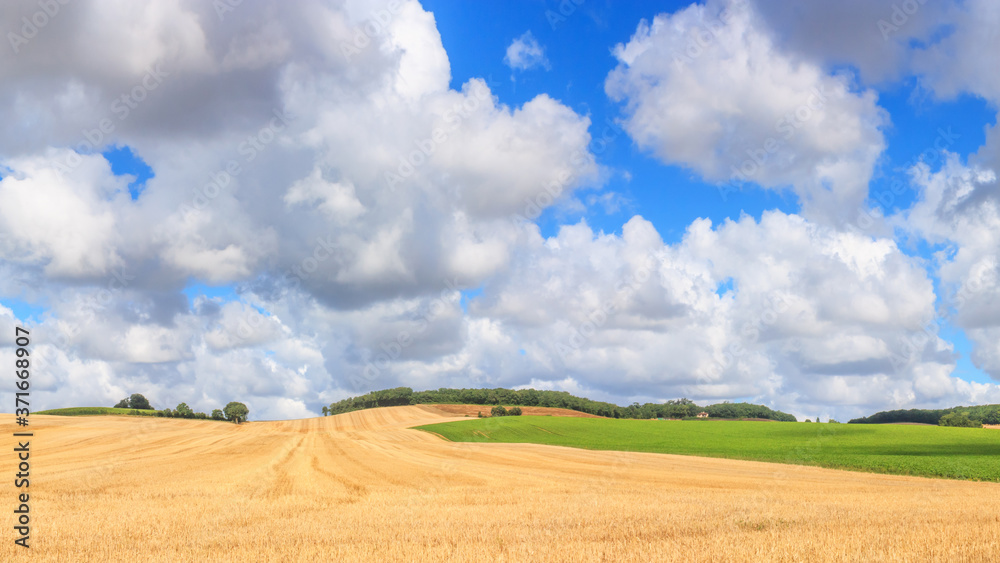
<point x="992" y="417"/>
<point x="184" y="411"/>
<point x="122" y="404"/>
<point x="326" y="410"/>
<point x="137" y="401"/>
<point x="959" y="419"/>
<point x="498" y="411"/>
<point x="236" y="412"/>
<point x="218" y="415"/>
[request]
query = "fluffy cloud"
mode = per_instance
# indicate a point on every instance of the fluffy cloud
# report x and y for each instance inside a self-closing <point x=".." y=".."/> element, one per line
<point x="316" y="156"/>
<point x="525" y="53"/>
<point x="959" y="210"/>
<point x="783" y="310"/>
<point x="64" y="223"/>
<point x="708" y="88"/>
<point x="317" y="159"/>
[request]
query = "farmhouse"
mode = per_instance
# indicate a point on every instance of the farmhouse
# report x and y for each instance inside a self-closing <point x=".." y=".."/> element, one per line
<point x="702" y="414"/>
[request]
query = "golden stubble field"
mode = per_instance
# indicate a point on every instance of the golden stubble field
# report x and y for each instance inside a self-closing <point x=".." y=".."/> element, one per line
<point x="361" y="486"/>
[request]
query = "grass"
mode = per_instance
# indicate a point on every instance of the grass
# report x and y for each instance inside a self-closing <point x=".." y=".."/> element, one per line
<point x="89" y="411"/>
<point x="930" y="451"/>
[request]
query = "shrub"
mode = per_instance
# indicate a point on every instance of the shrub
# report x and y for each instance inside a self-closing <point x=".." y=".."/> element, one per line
<point x="514" y="411"/>
<point x="498" y="411"/>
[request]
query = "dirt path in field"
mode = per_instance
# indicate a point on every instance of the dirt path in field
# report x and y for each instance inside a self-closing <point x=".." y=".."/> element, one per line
<point x="363" y="486"/>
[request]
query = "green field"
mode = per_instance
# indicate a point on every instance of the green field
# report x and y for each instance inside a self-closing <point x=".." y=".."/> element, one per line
<point x="931" y="451"/>
<point x="85" y="411"/>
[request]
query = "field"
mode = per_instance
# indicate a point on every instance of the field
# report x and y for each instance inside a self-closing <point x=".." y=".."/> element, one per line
<point x="932" y="451"/>
<point x="87" y="411"/>
<point x="364" y="486"/>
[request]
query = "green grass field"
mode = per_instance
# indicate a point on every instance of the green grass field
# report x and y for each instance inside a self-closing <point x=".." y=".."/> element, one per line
<point x="86" y="411"/>
<point x="931" y="451"/>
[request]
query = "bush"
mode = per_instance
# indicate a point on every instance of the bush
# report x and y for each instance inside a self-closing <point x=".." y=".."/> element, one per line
<point x="514" y="411"/>
<point x="498" y="411"/>
<point x="960" y="420"/>
<point x="217" y="415"/>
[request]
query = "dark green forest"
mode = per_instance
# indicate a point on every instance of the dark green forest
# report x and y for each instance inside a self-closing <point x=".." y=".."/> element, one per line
<point x="680" y="408"/>
<point x="981" y="414"/>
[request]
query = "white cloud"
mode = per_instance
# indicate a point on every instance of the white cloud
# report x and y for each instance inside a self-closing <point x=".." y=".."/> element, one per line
<point x="66" y="223"/>
<point x="525" y="53"/>
<point x="959" y="208"/>
<point x="350" y="194"/>
<point x="738" y="108"/>
<point x="817" y="318"/>
<point x="375" y="186"/>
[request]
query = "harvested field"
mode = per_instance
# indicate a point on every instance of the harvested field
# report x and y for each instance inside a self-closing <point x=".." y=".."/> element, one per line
<point x="364" y="487"/>
<point x="474" y="410"/>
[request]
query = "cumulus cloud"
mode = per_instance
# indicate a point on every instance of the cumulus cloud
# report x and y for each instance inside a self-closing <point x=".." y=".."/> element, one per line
<point x="959" y="210"/>
<point x="708" y="88"/>
<point x="525" y="53"/>
<point x="962" y="61"/>
<point x="316" y="156"/>
<point x="784" y="310"/>
<point x="874" y="36"/>
<point x="317" y="159"/>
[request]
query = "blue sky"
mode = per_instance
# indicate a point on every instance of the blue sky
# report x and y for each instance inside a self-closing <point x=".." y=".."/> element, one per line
<point x="306" y="277"/>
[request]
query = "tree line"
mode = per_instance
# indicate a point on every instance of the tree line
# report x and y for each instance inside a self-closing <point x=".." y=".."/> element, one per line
<point x="233" y="412"/>
<point x="679" y="408"/>
<point x="974" y="416"/>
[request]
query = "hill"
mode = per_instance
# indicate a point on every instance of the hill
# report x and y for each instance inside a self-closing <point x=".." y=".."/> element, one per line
<point x="681" y="408"/>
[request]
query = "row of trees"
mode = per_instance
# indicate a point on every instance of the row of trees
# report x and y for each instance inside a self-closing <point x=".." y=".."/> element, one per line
<point x="955" y="416"/>
<point x="679" y="408"/>
<point x="234" y="412"/>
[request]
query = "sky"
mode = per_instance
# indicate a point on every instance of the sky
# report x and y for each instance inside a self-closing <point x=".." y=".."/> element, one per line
<point x="288" y="204"/>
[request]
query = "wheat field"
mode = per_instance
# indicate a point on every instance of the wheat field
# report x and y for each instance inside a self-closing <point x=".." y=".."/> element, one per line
<point x="364" y="487"/>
